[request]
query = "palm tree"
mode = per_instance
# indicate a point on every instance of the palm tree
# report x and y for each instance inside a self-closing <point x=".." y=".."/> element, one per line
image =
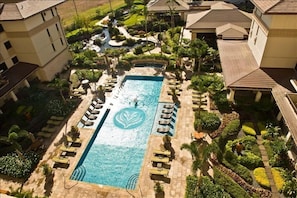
<point x="61" y="84"/>
<point x="171" y="7"/>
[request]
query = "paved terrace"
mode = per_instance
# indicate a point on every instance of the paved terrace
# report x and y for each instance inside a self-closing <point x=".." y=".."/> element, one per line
<point x="180" y="166"/>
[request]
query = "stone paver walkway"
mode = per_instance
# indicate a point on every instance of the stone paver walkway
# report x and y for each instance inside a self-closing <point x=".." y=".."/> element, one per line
<point x="267" y="167"/>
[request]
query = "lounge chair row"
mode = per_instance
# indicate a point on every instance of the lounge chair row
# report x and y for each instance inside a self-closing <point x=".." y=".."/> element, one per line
<point x="167" y="113"/>
<point x="109" y="84"/>
<point x="161" y="158"/>
<point x="91" y="112"/>
<point x="61" y="159"/>
<point x="51" y="127"/>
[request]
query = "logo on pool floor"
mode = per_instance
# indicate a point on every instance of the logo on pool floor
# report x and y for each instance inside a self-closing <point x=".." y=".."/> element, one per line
<point x="129" y="118"/>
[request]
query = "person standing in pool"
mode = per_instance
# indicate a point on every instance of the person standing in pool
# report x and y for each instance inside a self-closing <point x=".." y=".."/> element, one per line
<point x="135" y="102"/>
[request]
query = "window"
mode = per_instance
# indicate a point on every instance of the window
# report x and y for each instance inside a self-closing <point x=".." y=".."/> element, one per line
<point x="1" y="28"/>
<point x="7" y="45"/>
<point x="42" y="17"/>
<point x="48" y="33"/>
<point x="52" y="12"/>
<point x="53" y="47"/>
<point x="61" y="41"/>
<point x="257" y="31"/>
<point x="15" y="60"/>
<point x="3" y="66"/>
<point x="57" y="27"/>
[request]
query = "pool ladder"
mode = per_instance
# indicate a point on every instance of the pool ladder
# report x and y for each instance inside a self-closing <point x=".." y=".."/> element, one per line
<point x="79" y="173"/>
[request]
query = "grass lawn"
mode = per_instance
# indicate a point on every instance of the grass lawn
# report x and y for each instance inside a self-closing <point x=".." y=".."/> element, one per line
<point x="86" y="9"/>
<point x="134" y="19"/>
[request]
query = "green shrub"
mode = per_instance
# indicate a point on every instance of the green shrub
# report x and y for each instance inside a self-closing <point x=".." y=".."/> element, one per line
<point x="230" y="132"/>
<point x="250" y="160"/>
<point x="138" y="50"/>
<point x="92" y="76"/>
<point x="18" y="167"/>
<point x="129" y="42"/>
<point x="242" y="171"/>
<point x="78" y="35"/>
<point x="208" y="189"/>
<point x="221" y="101"/>
<point x="209" y="121"/>
<point x="229" y="185"/>
<point x="261" y="177"/>
<point x="248" y="128"/>
<point x="192" y="184"/>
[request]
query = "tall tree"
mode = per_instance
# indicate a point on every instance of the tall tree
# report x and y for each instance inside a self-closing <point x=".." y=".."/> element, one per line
<point x="198" y="51"/>
<point x="61" y="84"/>
<point x="171" y="5"/>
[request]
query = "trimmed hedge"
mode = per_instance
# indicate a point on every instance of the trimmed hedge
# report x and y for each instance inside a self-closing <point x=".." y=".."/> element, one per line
<point x="278" y="178"/>
<point x="240" y="170"/>
<point x="250" y="160"/>
<point x="261" y="177"/>
<point x="248" y="128"/>
<point x="229" y="133"/>
<point x="229" y="185"/>
<point x="209" y="121"/>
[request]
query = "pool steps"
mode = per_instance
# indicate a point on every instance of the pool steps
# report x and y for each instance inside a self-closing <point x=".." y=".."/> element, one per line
<point x="79" y="173"/>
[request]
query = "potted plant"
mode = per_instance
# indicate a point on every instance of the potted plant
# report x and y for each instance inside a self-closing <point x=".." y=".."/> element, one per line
<point x="159" y="190"/>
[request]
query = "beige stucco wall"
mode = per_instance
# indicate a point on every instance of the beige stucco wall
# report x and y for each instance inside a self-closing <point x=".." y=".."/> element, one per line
<point x="284" y="22"/>
<point x="280" y="53"/>
<point x="276" y="46"/>
<point x="48" y="72"/>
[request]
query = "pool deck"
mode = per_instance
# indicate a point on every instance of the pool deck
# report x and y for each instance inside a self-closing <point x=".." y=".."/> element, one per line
<point x="180" y="166"/>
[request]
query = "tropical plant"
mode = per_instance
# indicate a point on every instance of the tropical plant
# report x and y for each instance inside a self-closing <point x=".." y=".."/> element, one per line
<point x="198" y="51"/>
<point x="15" y="134"/>
<point x="200" y="152"/>
<point x="272" y="132"/>
<point x="290" y="186"/>
<point x="61" y="84"/>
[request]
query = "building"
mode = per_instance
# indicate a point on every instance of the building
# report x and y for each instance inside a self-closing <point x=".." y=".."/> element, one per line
<point x="221" y="20"/>
<point x="32" y="44"/>
<point x="266" y="62"/>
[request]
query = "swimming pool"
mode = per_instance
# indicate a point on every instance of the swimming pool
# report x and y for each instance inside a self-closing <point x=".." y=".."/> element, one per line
<point x="115" y="153"/>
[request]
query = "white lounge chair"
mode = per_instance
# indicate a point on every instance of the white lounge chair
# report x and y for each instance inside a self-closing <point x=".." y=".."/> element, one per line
<point x="166" y="116"/>
<point x="93" y="111"/>
<point x="164" y="122"/>
<point x="168" y="106"/>
<point x="90" y="116"/>
<point x="86" y="122"/>
<point x="163" y="129"/>
<point x="167" y="111"/>
<point x="96" y="106"/>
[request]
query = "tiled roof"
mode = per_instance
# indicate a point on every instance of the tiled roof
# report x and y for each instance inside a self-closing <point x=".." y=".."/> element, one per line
<point x="276" y="6"/>
<point x="219" y="14"/>
<point x="236" y="59"/>
<point x="16" y="75"/>
<point x="287" y="110"/>
<point x="231" y="30"/>
<point x="241" y="71"/>
<point x="25" y="9"/>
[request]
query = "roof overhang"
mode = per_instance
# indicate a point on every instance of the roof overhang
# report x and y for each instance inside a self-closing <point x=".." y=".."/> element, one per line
<point x="15" y="76"/>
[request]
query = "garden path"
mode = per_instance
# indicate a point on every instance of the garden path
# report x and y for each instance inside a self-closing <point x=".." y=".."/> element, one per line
<point x="267" y="167"/>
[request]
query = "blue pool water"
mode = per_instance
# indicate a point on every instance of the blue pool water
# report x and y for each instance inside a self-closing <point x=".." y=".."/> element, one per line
<point x="116" y="151"/>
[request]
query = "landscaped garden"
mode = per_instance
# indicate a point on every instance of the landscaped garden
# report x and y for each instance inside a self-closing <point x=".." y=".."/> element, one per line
<point x="234" y="156"/>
